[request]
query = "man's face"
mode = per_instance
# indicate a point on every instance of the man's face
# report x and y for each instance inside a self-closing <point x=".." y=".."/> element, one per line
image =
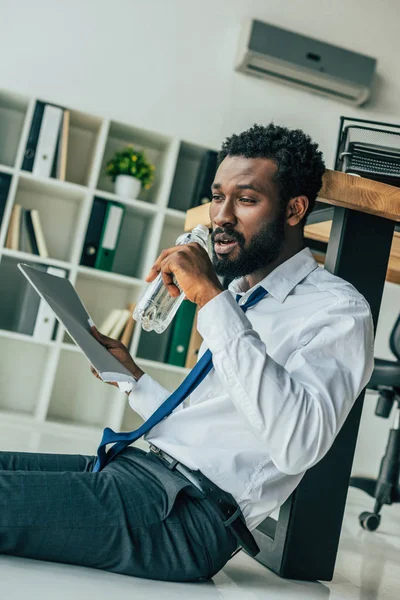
<point x="246" y="215"/>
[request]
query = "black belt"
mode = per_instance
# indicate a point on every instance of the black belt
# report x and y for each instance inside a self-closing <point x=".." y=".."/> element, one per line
<point x="223" y="502"/>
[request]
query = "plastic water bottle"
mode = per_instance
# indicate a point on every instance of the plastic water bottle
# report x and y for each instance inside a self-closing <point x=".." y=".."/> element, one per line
<point x="156" y="307"/>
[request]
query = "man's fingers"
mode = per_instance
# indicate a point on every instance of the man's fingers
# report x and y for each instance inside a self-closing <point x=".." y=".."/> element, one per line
<point x="103" y="339"/>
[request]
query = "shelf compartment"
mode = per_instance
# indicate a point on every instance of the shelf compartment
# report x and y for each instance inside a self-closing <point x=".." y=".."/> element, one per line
<point x="100" y="296"/>
<point x="84" y="132"/>
<point x="13" y="109"/>
<point x="155" y="146"/>
<point x="153" y="346"/>
<point x="137" y="227"/>
<point x="60" y="207"/>
<point x="172" y="228"/>
<point x="185" y="176"/>
<point x="22" y="372"/>
<point x="77" y="396"/>
<point x="20" y="295"/>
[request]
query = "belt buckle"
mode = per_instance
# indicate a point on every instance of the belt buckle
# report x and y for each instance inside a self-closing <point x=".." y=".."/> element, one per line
<point x="154" y="449"/>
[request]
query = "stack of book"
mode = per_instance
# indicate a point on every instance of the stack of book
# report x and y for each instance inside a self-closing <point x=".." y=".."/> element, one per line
<point x="102" y="234"/>
<point x="47" y="145"/>
<point x="25" y="232"/>
<point x="119" y="324"/>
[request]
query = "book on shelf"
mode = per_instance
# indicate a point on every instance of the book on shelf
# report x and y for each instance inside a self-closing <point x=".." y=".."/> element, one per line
<point x="63" y="147"/>
<point x="205" y="177"/>
<point x="47" y="145"/>
<point x="109" y="236"/>
<point x="25" y="232"/>
<point x="127" y="333"/>
<point x="38" y="232"/>
<point x="195" y="342"/>
<point x="25" y="244"/>
<point x="12" y="240"/>
<point x="119" y="324"/>
<point x="5" y="181"/>
<point x="109" y="322"/>
<point x="181" y="333"/>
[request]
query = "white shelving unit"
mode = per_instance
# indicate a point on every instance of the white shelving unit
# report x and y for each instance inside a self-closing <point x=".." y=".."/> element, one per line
<point x="48" y="385"/>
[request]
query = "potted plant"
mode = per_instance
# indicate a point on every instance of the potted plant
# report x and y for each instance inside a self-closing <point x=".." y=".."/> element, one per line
<point x="130" y="170"/>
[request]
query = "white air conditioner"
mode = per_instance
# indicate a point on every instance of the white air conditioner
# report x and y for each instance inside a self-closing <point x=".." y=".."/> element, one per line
<point x="273" y="53"/>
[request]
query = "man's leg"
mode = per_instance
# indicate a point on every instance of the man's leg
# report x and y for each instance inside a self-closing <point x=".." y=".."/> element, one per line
<point x="29" y="461"/>
<point x="121" y="519"/>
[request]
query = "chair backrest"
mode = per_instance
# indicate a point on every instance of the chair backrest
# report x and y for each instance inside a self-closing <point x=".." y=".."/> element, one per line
<point x="395" y="339"/>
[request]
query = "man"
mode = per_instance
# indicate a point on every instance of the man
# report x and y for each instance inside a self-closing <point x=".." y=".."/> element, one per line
<point x="285" y="375"/>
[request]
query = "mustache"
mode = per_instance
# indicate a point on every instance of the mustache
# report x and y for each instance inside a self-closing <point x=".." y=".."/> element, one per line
<point x="238" y="237"/>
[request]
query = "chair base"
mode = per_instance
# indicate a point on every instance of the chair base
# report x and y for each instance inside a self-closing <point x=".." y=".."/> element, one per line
<point x="385" y="489"/>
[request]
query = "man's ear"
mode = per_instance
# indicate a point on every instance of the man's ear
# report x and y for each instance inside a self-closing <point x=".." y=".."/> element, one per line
<point x="296" y="210"/>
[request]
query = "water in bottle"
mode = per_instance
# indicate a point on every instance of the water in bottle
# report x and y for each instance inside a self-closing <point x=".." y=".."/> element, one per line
<point x="156" y="308"/>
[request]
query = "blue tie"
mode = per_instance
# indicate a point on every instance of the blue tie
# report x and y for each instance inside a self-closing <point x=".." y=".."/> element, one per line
<point x="195" y="377"/>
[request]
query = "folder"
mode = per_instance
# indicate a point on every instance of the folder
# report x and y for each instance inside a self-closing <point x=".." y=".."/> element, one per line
<point x="45" y="318"/>
<point x="93" y="233"/>
<point x="109" y="236"/>
<point x="5" y="181"/>
<point x="180" y="336"/>
<point x="31" y="145"/>
<point x="47" y="141"/>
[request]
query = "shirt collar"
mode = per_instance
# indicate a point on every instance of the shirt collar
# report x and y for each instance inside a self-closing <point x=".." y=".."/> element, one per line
<point x="283" y="279"/>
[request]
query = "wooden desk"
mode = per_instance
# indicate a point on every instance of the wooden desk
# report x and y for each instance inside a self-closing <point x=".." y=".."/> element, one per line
<point x="303" y="542"/>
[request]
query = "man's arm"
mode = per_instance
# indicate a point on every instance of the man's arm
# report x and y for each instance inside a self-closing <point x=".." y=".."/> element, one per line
<point x="146" y="394"/>
<point x="297" y="409"/>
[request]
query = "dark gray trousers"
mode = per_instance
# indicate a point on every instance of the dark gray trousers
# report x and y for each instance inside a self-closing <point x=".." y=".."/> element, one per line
<point x="135" y="517"/>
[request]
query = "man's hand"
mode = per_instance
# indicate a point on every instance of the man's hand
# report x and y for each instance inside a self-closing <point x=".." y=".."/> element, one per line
<point x="120" y="352"/>
<point x="192" y="269"/>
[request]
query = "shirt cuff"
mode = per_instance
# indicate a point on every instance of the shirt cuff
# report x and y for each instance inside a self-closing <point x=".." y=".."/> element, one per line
<point x="147" y="395"/>
<point x="221" y="320"/>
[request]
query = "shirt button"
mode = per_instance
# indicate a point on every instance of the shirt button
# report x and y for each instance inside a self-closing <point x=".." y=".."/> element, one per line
<point x="210" y="395"/>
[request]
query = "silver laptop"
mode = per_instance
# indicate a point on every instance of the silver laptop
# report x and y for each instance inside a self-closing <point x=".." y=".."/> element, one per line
<point x="62" y="298"/>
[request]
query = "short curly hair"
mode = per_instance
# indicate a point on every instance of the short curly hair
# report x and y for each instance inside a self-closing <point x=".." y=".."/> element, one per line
<point x="300" y="163"/>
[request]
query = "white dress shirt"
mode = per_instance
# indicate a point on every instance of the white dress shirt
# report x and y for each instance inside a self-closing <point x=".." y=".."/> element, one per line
<point x="285" y="376"/>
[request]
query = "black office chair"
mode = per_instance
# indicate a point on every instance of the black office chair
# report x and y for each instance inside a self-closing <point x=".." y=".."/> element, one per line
<point x="386" y="489"/>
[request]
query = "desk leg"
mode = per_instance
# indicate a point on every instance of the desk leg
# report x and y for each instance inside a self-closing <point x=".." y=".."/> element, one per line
<point x="303" y="542"/>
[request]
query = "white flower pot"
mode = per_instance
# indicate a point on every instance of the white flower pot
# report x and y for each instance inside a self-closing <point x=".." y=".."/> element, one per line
<point x="127" y="186"/>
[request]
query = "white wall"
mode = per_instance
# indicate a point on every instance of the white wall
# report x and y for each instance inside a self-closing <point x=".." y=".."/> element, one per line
<point x="167" y="65"/>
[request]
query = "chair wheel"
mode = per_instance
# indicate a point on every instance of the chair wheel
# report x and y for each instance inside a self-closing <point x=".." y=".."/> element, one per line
<point x="369" y="521"/>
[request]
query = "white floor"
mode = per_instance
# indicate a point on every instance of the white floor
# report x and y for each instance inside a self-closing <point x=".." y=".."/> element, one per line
<point x="367" y="568"/>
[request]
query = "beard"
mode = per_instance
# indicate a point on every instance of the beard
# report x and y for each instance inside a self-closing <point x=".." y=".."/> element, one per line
<point x="262" y="250"/>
